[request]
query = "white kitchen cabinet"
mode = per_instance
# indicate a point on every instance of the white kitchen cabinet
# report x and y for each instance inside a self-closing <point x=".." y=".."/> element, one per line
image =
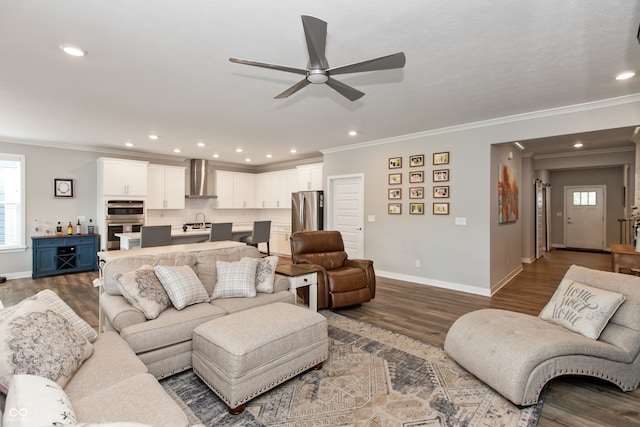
<point x="244" y="190"/>
<point x="120" y="177"/>
<point x="284" y="244"/>
<point x="165" y="189"/>
<point x="273" y="189"/>
<point x="310" y="177"/>
<point x="235" y="190"/>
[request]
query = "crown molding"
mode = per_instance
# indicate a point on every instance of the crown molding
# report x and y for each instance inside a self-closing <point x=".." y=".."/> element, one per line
<point x="587" y="106"/>
<point x="584" y="153"/>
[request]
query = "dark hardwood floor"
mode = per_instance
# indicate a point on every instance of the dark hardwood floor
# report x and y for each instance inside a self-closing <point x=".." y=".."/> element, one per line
<point x="426" y="313"/>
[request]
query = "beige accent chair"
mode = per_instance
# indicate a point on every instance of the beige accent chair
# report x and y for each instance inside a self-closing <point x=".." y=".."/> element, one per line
<point x="517" y="354"/>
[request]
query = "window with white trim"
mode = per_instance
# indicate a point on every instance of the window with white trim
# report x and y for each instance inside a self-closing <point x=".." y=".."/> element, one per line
<point x="11" y="202"/>
<point x="584" y="198"/>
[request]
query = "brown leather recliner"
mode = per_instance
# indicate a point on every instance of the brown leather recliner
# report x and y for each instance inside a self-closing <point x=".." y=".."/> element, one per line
<point x="341" y="282"/>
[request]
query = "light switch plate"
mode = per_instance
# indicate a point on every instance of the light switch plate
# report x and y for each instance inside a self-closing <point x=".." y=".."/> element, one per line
<point x="371" y="218"/>
<point x="461" y="220"/>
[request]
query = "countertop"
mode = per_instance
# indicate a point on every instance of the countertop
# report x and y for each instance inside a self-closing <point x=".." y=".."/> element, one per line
<point x="189" y="247"/>
<point x="178" y="232"/>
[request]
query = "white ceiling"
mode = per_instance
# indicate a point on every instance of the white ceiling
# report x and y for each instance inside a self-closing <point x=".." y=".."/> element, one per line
<point x="161" y="66"/>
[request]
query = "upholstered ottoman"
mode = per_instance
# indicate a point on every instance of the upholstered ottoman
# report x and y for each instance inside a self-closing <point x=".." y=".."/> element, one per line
<point x="244" y="354"/>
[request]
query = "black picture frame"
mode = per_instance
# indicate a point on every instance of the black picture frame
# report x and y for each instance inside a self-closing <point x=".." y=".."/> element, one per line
<point x="63" y="187"/>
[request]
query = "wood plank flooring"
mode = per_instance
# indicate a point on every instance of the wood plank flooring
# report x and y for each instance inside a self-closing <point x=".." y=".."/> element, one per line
<point x="426" y="313"/>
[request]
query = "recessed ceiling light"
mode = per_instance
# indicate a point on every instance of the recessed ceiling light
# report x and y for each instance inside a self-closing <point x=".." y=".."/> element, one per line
<point x="216" y="155"/>
<point x="247" y="159"/>
<point x="129" y="144"/>
<point x="578" y="144"/>
<point x="625" y="75"/>
<point x="73" y="50"/>
<point x="269" y="156"/>
<point x="176" y="150"/>
<point x="154" y="137"/>
<point x="238" y="150"/>
<point x="353" y="133"/>
<point x="200" y="144"/>
<point x="293" y="150"/>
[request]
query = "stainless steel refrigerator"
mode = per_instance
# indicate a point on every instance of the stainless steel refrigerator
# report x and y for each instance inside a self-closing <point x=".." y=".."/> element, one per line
<point x="307" y="211"/>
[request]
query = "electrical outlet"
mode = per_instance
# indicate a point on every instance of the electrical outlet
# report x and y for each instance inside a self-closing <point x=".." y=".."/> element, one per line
<point x="417" y="263"/>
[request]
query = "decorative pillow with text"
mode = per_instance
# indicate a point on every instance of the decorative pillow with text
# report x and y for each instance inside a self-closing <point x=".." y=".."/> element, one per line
<point x="581" y="308"/>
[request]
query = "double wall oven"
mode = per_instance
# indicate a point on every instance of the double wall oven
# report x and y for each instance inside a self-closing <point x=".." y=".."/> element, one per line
<point x="122" y="216"/>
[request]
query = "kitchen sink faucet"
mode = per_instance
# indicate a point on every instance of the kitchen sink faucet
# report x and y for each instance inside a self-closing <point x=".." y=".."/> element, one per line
<point x="204" y="220"/>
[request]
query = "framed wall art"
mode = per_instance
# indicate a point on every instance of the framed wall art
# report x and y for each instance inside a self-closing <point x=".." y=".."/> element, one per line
<point x="395" y="178"/>
<point x="394" y="208"/>
<point x="441" y="175"/>
<point x="416" y="160"/>
<point x="441" y="158"/>
<point x="395" y="193"/>
<point x="440" y="191"/>
<point x="62" y="187"/>
<point x="416" y="176"/>
<point x="441" y="208"/>
<point x="507" y="195"/>
<point x="416" y="208"/>
<point x="395" y="162"/>
<point x="416" y="192"/>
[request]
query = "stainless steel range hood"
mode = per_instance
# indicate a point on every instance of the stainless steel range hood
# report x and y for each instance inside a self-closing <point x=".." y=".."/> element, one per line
<point x="201" y="183"/>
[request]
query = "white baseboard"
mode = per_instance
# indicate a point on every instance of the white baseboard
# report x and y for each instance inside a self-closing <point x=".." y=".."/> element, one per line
<point x="436" y="283"/>
<point x="17" y="275"/>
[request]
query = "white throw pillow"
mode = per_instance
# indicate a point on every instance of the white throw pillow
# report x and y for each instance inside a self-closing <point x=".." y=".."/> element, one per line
<point x="36" y="401"/>
<point x="182" y="285"/>
<point x="144" y="291"/>
<point x="236" y="279"/>
<point x="57" y="353"/>
<point x="581" y="308"/>
<point x="57" y="304"/>
<point x="266" y="274"/>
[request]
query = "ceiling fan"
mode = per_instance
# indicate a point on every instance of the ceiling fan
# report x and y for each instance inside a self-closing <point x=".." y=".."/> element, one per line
<point x="318" y="71"/>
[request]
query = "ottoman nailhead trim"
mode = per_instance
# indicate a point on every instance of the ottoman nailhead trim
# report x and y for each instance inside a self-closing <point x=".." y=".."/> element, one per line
<point x="262" y="390"/>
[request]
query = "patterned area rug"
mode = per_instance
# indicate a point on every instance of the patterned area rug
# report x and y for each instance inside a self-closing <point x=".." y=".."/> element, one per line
<point x="373" y="377"/>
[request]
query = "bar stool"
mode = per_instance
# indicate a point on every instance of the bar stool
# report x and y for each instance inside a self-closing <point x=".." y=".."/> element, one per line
<point x="220" y="231"/>
<point x="155" y="235"/>
<point x="261" y="234"/>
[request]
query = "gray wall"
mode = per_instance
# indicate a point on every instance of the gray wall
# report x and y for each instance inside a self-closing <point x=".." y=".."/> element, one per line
<point x="481" y="256"/>
<point x="610" y="177"/>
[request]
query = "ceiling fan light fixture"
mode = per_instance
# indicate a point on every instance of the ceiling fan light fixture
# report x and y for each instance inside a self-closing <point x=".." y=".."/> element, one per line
<point x="73" y="50"/>
<point x="317" y="76"/>
<point x="625" y="75"/>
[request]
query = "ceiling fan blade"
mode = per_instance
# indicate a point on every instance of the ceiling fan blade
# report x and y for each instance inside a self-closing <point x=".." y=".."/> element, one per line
<point x="345" y="90"/>
<point x="315" y="32"/>
<point x="270" y="66"/>
<point x="397" y="60"/>
<point x="293" y="89"/>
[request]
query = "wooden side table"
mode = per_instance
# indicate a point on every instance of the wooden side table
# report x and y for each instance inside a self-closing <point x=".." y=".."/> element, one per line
<point x="624" y="256"/>
<point x="299" y="276"/>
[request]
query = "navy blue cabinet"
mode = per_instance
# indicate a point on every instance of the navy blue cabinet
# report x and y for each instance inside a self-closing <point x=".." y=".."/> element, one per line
<point x="64" y="254"/>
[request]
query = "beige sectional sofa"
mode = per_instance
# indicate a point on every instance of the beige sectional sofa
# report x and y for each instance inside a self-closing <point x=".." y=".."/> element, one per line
<point x="164" y="343"/>
<point x="103" y="382"/>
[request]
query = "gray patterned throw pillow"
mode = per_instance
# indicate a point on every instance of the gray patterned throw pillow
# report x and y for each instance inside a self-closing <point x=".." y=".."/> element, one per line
<point x="144" y="291"/>
<point x="37" y="340"/>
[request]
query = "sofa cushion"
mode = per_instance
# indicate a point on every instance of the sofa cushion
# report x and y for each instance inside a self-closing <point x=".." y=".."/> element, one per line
<point x="266" y="274"/>
<point x="57" y="304"/>
<point x="232" y="305"/>
<point x="37" y="401"/>
<point x="118" y="312"/>
<point x="144" y="291"/>
<point x="236" y="279"/>
<point x="581" y="308"/>
<point x="182" y="285"/>
<point x="169" y="328"/>
<point x="122" y="265"/>
<point x="139" y="399"/>
<point x="57" y="353"/>
<point x="112" y="361"/>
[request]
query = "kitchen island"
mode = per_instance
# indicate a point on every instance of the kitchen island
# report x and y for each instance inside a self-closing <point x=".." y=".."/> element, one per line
<point x="180" y="237"/>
